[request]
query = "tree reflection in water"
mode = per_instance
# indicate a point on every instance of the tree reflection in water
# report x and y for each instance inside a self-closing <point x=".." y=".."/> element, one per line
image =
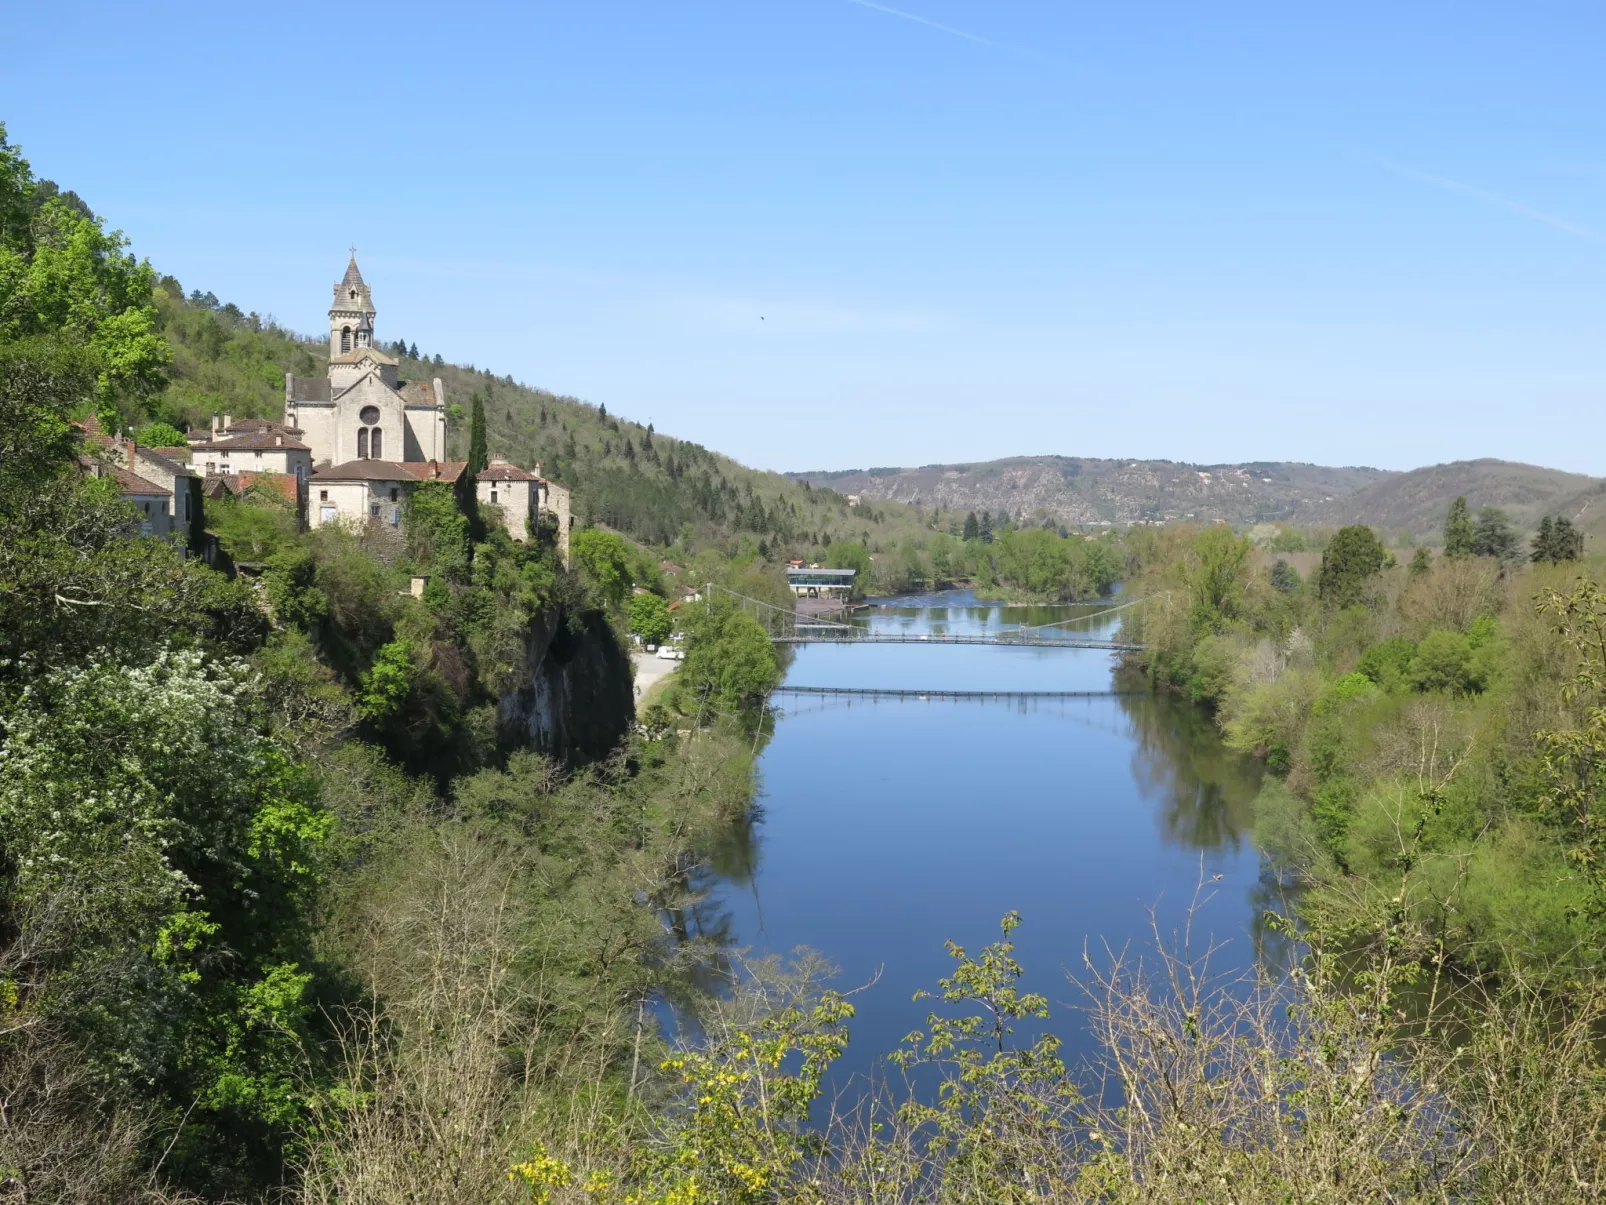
<point x="1206" y="790"/>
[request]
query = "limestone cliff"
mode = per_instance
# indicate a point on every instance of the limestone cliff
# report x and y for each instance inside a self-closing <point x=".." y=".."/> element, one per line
<point x="576" y="701"/>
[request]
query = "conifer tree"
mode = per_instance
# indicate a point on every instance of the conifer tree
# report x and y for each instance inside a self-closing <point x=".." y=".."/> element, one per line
<point x="412" y="354"/>
<point x="478" y="454"/>
<point x="1458" y="532"/>
<point x="972" y="529"/>
<point x="1544" y="543"/>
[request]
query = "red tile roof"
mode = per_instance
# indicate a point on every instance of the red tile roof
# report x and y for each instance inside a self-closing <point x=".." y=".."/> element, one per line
<point x="505" y="472"/>
<point x="267" y="441"/>
<point x="393" y="470"/>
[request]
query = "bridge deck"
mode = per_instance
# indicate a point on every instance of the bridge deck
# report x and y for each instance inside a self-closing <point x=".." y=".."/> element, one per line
<point x="896" y="693"/>
<point x="836" y="636"/>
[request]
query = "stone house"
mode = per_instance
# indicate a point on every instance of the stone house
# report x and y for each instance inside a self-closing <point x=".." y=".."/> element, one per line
<point x="513" y="494"/>
<point x="167" y="495"/>
<point x="373" y="491"/>
<point x="258" y="451"/>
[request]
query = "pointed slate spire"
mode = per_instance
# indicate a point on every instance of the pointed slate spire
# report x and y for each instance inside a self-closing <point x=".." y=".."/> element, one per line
<point x="353" y="278"/>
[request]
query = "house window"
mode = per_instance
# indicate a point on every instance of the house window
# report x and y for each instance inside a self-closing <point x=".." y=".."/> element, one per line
<point x="259" y="455"/>
<point x="373" y="510"/>
<point x="362" y="443"/>
<point x="493" y="495"/>
<point x="395" y="495"/>
<point x="323" y="495"/>
<point x="211" y="466"/>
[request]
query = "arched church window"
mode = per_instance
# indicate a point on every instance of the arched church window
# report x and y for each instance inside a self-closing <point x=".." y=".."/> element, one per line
<point x="345" y="338"/>
<point x="379" y="444"/>
<point x="362" y="443"/>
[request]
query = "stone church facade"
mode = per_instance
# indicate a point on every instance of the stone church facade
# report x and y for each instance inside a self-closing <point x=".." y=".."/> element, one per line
<point x="360" y="410"/>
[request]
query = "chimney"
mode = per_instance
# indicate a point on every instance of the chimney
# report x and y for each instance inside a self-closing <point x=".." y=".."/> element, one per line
<point x="499" y="460"/>
<point x="278" y="441"/>
<point x="216" y="425"/>
<point x="132" y="447"/>
<point x="537" y="469"/>
<point x="228" y="421"/>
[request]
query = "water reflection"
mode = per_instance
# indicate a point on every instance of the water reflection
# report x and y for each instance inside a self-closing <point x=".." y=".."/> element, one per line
<point x="1206" y="791"/>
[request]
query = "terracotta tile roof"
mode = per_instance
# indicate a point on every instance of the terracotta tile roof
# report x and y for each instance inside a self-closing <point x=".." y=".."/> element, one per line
<point x="363" y="470"/>
<point x="309" y="389"/>
<point x="504" y="472"/>
<point x="132" y="483"/>
<point x="263" y="424"/>
<point x="159" y="458"/>
<point x="265" y="441"/>
<point x="437" y="470"/>
<point x="285" y="483"/>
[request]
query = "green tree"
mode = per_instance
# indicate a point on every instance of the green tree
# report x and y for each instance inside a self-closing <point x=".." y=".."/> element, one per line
<point x="1284" y="577"/>
<point x="163" y="859"/>
<point x="650" y="618"/>
<point x="478" y="452"/>
<point x="1215" y="568"/>
<point x="1444" y="662"/>
<point x="850" y="554"/>
<point x="1458" y="530"/>
<point x="63" y="276"/>
<point x="604" y="560"/>
<point x="972" y="530"/>
<point x="1351" y="559"/>
<point x="1492" y="536"/>
<point x="730" y="663"/>
<point x="1421" y="562"/>
<point x="160" y="435"/>
<point x="1557" y="541"/>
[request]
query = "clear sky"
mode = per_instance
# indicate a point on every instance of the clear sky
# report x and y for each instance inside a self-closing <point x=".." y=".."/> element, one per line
<point x="835" y="233"/>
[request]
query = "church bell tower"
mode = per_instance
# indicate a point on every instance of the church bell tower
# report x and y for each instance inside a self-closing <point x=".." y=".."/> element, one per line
<point x="351" y="316"/>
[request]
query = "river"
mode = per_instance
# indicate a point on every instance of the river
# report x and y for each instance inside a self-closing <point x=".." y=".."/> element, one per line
<point x="887" y="826"/>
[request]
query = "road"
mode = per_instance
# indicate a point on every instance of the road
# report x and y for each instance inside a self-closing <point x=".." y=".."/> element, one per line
<point x="650" y="668"/>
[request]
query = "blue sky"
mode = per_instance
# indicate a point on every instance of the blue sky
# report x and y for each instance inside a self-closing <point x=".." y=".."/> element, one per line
<point x="834" y="233"/>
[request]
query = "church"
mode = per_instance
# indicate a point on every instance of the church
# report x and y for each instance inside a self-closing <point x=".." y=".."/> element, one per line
<point x="360" y="410"/>
<point x="368" y="435"/>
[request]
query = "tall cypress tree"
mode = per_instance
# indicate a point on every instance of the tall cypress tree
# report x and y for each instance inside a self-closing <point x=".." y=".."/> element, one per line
<point x="478" y="455"/>
<point x="1458" y="531"/>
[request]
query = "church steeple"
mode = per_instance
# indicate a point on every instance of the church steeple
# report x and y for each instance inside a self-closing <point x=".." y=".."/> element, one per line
<point x="351" y="316"/>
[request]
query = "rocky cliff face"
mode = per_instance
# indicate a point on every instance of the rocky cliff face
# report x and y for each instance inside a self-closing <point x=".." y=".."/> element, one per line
<point x="577" y="700"/>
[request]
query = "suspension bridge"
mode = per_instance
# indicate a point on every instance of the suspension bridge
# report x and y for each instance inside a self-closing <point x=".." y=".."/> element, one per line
<point x="786" y="626"/>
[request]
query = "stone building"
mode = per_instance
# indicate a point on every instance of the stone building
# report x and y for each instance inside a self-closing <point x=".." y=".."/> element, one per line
<point x="360" y="410"/>
<point x="512" y="494"/>
<point x="254" y="445"/>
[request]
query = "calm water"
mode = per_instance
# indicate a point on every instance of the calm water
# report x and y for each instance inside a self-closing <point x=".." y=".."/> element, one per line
<point x="887" y="825"/>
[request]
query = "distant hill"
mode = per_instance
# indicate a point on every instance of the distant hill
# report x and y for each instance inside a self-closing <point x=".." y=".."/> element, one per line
<point x="1417" y="501"/>
<point x="1083" y="490"/>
